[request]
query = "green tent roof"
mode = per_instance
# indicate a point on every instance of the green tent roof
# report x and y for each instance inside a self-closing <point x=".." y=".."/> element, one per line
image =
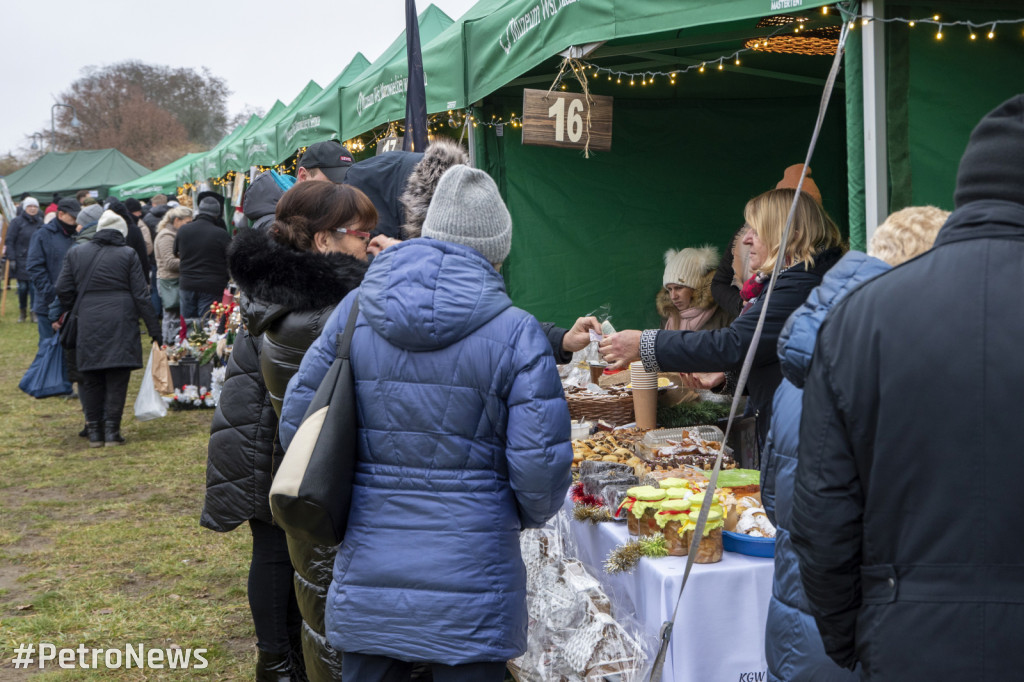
<point x="379" y="92"/>
<point x="320" y="118"/>
<point x="234" y="155"/>
<point x="261" y="145"/>
<point x="161" y="181"/>
<point x="72" y="171"/>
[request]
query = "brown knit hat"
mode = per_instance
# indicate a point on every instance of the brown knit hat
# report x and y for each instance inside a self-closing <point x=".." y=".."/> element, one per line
<point x="791" y="178"/>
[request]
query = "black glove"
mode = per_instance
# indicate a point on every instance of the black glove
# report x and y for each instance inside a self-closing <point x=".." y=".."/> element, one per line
<point x="158" y="340"/>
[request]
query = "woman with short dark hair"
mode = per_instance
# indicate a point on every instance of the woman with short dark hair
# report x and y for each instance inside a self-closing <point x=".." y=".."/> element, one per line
<point x="291" y="277"/>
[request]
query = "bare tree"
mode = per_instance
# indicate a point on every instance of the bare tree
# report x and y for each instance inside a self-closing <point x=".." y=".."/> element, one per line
<point x="152" y="113"/>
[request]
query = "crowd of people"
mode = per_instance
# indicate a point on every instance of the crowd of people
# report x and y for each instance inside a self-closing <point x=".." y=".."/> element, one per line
<point x="464" y="429"/>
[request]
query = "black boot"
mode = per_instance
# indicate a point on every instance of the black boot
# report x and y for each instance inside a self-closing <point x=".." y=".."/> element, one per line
<point x="22" y="314"/>
<point x="94" y="431"/>
<point x="274" y="667"/>
<point x="112" y="433"/>
<point x="84" y="433"/>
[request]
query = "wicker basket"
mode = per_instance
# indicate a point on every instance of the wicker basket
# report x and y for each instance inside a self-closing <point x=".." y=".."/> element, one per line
<point x="614" y="409"/>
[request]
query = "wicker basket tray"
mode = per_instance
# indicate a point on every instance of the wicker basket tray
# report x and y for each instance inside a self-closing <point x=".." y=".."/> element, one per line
<point x="614" y="409"/>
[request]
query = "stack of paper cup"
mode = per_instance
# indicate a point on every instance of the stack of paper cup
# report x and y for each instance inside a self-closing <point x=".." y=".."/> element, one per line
<point x="645" y="395"/>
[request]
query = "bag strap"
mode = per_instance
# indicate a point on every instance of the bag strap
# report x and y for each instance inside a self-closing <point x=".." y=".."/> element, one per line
<point x="345" y="338"/>
<point x="86" y="281"/>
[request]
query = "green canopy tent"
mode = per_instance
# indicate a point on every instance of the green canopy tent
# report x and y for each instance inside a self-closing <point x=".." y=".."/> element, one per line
<point x="685" y="157"/>
<point x="161" y="181"/>
<point x="378" y="95"/>
<point x="227" y="154"/>
<point x="68" y="172"/>
<point x="235" y="154"/>
<point x="320" y="118"/>
<point x="261" y="145"/>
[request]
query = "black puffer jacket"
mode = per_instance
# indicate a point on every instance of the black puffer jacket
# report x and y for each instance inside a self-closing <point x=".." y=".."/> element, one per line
<point x="113" y="300"/>
<point x="288" y="296"/>
<point x="19" y="236"/>
<point x="244" y="451"/>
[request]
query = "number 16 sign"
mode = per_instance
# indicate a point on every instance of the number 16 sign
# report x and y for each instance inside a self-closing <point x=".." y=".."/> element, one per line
<point x="559" y="119"/>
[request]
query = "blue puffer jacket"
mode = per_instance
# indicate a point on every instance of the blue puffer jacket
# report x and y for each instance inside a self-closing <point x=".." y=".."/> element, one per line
<point x="46" y="253"/>
<point x="464" y="441"/>
<point x="793" y="646"/>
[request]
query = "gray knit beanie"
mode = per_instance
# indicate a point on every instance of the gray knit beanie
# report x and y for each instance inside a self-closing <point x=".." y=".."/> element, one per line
<point x="90" y="215"/>
<point x="467" y="209"/>
<point x="209" y="206"/>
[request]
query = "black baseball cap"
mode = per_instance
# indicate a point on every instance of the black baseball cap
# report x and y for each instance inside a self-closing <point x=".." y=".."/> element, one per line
<point x="330" y="157"/>
<point x="70" y="206"/>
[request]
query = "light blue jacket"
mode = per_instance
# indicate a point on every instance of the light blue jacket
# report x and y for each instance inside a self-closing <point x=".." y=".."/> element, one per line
<point x="793" y="646"/>
<point x="464" y="441"/>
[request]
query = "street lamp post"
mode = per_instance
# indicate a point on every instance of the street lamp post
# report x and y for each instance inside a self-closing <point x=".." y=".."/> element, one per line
<point x="37" y="143"/>
<point x="75" y="123"/>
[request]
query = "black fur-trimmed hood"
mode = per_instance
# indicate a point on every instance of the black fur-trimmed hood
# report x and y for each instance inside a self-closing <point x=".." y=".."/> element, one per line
<point x="275" y="279"/>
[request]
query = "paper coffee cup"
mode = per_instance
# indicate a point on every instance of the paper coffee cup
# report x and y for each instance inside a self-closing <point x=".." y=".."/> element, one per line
<point x="645" y="407"/>
<point x="595" y="373"/>
<point x="641" y="378"/>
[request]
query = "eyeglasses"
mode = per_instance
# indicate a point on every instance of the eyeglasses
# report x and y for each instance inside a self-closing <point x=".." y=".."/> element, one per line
<point x="359" y="234"/>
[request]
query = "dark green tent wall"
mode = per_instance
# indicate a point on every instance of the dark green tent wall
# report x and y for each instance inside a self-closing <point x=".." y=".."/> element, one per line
<point x="587" y="232"/>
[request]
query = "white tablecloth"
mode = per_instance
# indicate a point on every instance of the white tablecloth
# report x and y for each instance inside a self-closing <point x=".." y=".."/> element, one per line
<point x="719" y="632"/>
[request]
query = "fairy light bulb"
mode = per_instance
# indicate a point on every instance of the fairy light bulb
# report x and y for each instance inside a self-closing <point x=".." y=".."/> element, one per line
<point x="992" y="32"/>
<point x="737" y="61"/>
<point x="938" y="36"/>
<point x="701" y="68"/>
<point x="720" y="67"/>
<point x="618" y="80"/>
<point x="935" y="18"/>
<point x="824" y="10"/>
<point x="912" y="24"/>
<point x="974" y="36"/>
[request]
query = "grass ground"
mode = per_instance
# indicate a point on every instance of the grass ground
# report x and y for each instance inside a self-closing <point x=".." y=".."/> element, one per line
<point x="102" y="547"/>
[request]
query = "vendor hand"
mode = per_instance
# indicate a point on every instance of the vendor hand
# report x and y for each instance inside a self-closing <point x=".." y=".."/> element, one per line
<point x="578" y="337"/>
<point x="702" y="380"/>
<point x="379" y="243"/>
<point x="620" y="349"/>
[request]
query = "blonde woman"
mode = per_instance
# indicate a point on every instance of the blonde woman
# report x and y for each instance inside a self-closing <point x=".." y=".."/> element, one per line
<point x="814" y="246"/>
<point x="167" y="268"/>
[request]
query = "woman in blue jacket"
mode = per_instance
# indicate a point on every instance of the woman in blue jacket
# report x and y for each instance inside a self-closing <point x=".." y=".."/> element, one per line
<point x="793" y="647"/>
<point x="464" y="441"/>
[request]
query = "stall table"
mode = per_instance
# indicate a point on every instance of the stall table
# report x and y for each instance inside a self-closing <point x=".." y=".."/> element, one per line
<point x="719" y="631"/>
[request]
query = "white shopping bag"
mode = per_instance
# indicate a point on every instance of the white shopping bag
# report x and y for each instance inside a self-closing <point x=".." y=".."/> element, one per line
<point x="149" y="404"/>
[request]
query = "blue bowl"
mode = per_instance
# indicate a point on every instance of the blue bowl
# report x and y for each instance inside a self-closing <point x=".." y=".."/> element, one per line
<point x="745" y="544"/>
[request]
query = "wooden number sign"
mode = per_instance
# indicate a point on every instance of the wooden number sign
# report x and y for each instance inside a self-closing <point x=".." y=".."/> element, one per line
<point x="559" y="119"/>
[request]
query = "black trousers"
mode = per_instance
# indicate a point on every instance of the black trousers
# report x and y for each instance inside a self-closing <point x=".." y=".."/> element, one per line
<point x="103" y="393"/>
<point x="366" y="668"/>
<point x="275" y="612"/>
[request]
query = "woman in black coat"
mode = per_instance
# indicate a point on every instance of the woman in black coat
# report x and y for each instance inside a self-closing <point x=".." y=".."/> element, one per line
<point x="814" y="246"/>
<point x="291" y="276"/>
<point x="108" y="278"/>
<point x="19" y="235"/>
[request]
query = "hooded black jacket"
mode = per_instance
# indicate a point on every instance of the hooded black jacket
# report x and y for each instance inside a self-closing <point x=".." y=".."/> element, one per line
<point x="287" y="297"/>
<point x="113" y="300"/>
<point x="260" y="201"/>
<point x="910" y="444"/>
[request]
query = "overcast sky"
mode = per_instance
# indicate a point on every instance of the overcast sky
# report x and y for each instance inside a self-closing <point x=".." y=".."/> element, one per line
<point x="265" y="49"/>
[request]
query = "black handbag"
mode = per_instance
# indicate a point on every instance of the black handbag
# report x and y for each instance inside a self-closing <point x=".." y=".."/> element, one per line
<point x="312" y="489"/>
<point x="69" y="321"/>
